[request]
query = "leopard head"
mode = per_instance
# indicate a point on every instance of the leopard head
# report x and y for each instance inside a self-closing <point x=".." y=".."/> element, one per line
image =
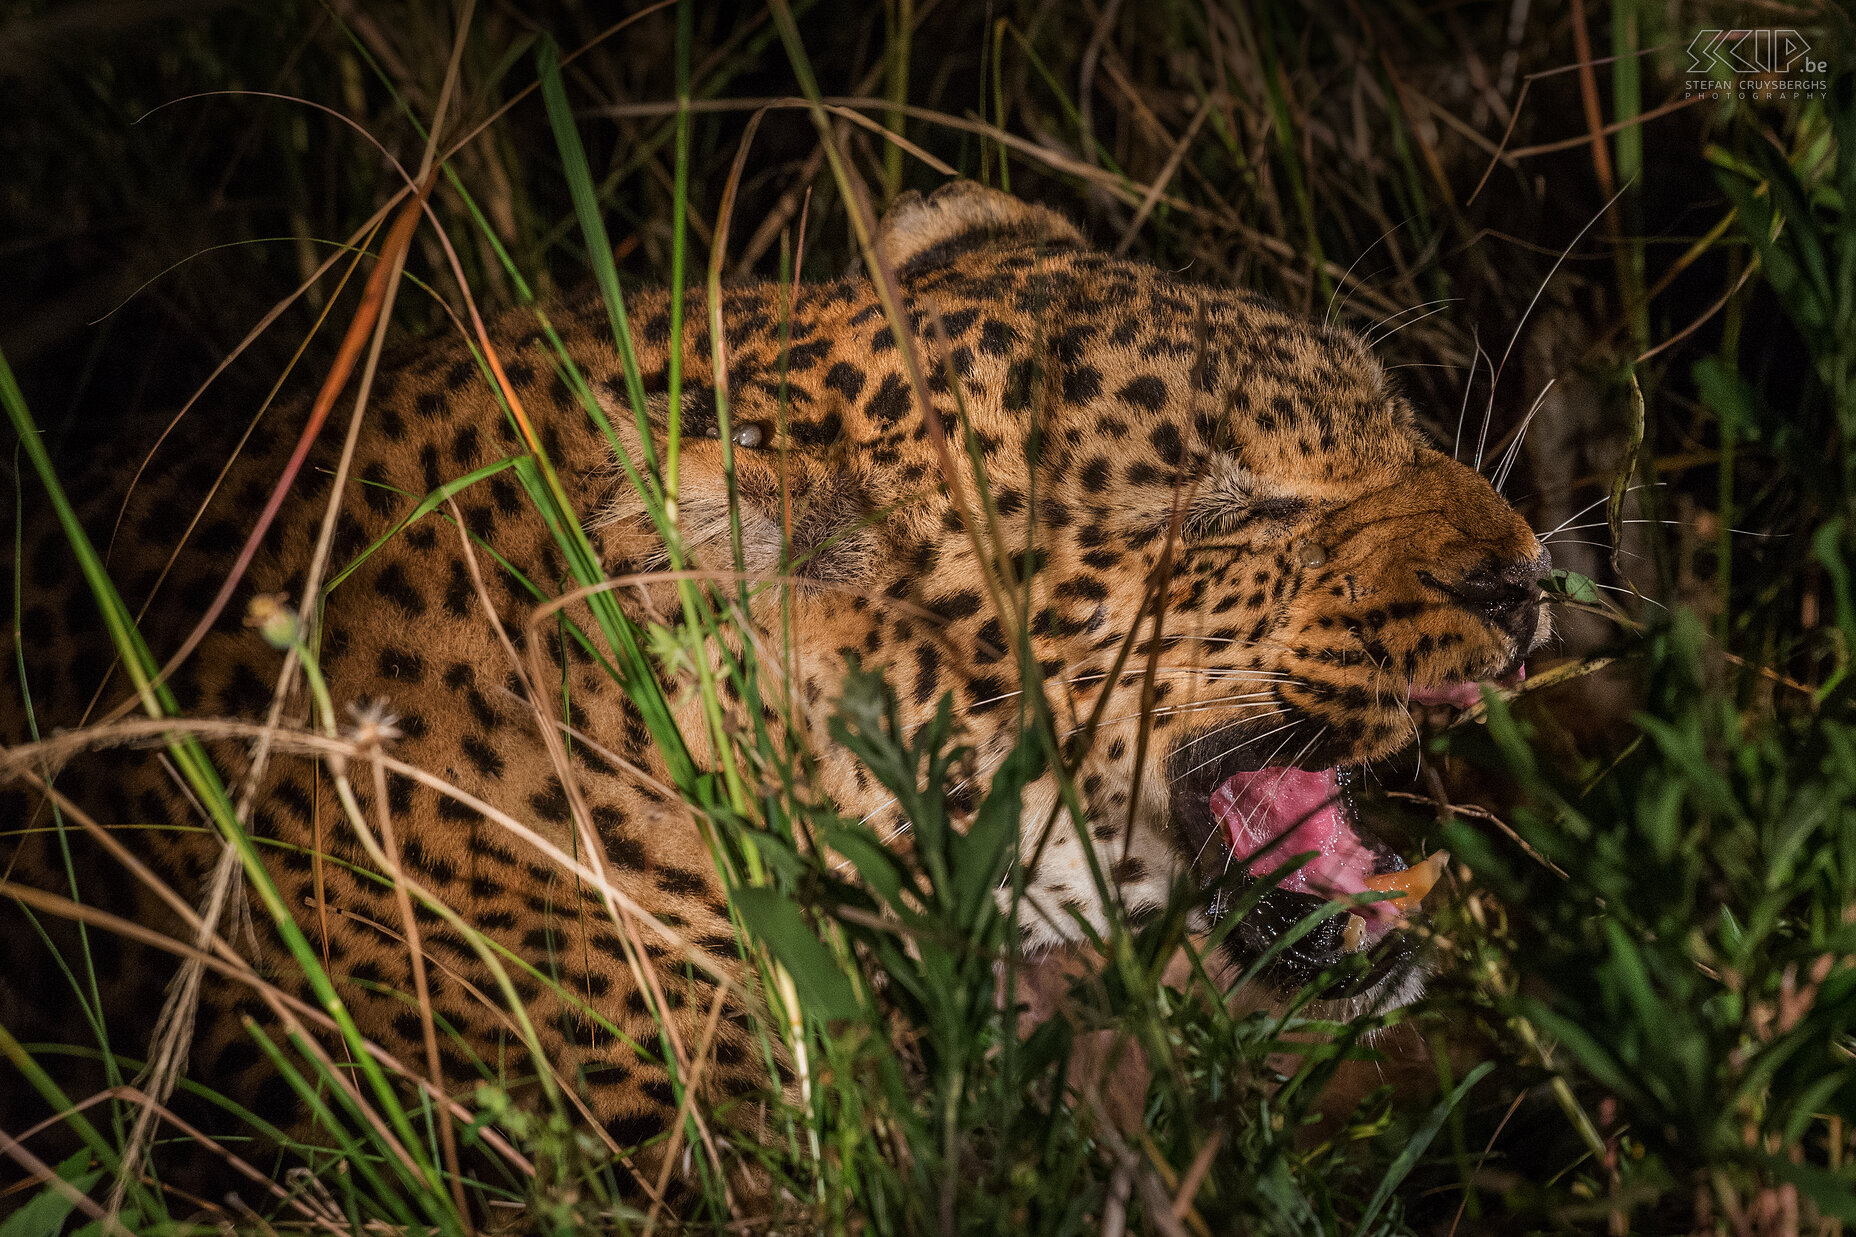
<point x="1215" y="528"/>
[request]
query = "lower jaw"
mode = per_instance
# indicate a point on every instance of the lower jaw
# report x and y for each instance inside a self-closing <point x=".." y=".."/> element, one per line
<point x="1361" y="958"/>
<point x="1319" y="957"/>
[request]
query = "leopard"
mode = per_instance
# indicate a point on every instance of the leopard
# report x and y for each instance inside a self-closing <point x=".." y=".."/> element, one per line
<point x="1213" y="527"/>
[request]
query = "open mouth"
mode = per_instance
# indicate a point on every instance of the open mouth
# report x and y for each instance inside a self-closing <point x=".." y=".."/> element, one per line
<point x="1271" y="817"/>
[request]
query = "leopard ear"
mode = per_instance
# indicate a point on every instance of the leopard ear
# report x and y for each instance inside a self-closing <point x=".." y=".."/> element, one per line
<point x="919" y="234"/>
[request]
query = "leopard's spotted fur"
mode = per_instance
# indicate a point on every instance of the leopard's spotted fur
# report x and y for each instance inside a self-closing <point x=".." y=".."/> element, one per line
<point x="1316" y="559"/>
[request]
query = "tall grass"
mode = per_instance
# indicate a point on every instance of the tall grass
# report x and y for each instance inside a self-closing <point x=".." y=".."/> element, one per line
<point x="1645" y="1003"/>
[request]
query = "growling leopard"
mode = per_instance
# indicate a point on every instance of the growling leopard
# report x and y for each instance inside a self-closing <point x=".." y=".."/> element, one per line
<point x="1232" y="533"/>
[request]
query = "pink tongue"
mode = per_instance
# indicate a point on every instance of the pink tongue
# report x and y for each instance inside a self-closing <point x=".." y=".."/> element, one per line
<point x="1461" y="694"/>
<point x="1273" y="814"/>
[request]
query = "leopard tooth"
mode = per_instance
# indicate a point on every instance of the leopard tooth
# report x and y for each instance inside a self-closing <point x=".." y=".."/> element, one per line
<point x="1415" y="881"/>
<point x="1353" y="936"/>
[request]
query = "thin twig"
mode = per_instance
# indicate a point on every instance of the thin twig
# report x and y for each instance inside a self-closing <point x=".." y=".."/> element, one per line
<point x="1165" y="177"/>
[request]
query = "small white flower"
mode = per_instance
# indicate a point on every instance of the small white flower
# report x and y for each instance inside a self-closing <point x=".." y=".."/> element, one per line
<point x="373" y="724"/>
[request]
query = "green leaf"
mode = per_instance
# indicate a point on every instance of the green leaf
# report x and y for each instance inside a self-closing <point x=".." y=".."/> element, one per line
<point x="1833" y="1192"/>
<point x="1626" y="965"/>
<point x="872" y="860"/>
<point x="1594" y="1057"/>
<point x="1420" y="1141"/>
<point x="774" y="918"/>
<point x="430" y="503"/>
<point x="44" y="1213"/>
<point x="1511" y="737"/>
<point x="598" y="245"/>
<point x="1572" y="586"/>
<point x="1828" y="546"/>
<point x="1725" y="389"/>
<point x="1801" y="234"/>
<point x="986" y="849"/>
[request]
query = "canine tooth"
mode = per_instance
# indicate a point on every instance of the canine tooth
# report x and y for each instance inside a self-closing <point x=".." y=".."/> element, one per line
<point x="1414" y="882"/>
<point x="1353" y="935"/>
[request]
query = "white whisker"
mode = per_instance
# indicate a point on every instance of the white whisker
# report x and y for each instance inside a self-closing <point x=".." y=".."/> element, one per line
<point x="1290" y="726"/>
<point x="1495" y="380"/>
<point x="1462" y="415"/>
<point x="1601" y="545"/>
<point x="1377" y="340"/>
<point x="1597" y="502"/>
<point x="1514" y="448"/>
<point x="1173" y="710"/>
<point x="1330" y="313"/>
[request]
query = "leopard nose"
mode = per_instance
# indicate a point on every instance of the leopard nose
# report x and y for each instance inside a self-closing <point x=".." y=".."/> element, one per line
<point x="1506" y="594"/>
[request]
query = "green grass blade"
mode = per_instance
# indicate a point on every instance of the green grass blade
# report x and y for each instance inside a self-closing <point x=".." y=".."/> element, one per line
<point x="1419" y="1143"/>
